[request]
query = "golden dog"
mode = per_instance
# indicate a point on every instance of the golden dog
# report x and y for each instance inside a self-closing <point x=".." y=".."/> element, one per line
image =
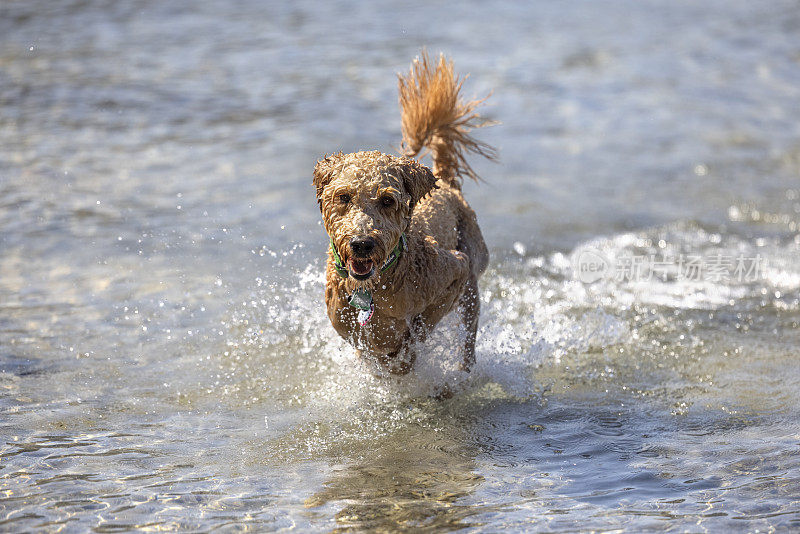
<point x="405" y="247"/>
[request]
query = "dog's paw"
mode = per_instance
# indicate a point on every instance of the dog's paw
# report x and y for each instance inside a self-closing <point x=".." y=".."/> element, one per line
<point x="442" y="392"/>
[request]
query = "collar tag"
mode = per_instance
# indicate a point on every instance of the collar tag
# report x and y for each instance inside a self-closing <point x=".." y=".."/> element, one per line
<point x="361" y="299"/>
<point x="365" y="315"/>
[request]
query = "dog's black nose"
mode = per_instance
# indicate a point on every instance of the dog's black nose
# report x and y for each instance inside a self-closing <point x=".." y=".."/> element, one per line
<point x="362" y="246"/>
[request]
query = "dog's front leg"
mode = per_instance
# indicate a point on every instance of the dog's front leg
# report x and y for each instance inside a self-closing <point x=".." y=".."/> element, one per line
<point x="469" y="309"/>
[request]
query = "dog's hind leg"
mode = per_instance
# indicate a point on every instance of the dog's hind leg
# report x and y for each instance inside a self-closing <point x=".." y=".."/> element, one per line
<point x="471" y="243"/>
<point x="469" y="308"/>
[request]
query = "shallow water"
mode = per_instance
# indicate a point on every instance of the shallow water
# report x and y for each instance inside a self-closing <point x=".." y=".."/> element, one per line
<point x="166" y="360"/>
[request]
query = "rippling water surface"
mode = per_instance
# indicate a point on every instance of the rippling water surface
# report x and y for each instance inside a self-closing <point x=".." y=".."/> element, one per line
<point x="165" y="359"/>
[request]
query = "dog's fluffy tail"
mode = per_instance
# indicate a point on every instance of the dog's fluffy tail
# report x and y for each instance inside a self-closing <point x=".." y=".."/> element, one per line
<point x="435" y="117"/>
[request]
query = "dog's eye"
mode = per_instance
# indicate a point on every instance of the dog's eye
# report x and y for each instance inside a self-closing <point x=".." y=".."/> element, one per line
<point x="344" y="198"/>
<point x="387" y="202"/>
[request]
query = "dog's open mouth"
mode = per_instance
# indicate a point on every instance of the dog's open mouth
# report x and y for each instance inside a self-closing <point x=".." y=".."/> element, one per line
<point x="361" y="268"/>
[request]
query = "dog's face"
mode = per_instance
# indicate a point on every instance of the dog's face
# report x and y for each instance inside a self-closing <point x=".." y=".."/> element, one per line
<point x="366" y="199"/>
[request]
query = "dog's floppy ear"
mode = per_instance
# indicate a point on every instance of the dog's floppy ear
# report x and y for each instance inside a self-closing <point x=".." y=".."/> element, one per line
<point x="418" y="180"/>
<point x="323" y="173"/>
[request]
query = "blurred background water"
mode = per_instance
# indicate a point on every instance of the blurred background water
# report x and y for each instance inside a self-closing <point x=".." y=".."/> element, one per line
<point x="165" y="359"/>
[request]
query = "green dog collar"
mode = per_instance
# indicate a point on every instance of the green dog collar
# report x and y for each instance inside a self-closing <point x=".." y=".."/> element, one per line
<point x="337" y="262"/>
<point x="361" y="299"/>
<point x="341" y="270"/>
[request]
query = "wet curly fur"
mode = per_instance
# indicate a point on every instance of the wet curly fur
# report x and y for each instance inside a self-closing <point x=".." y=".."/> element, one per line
<point x="369" y="199"/>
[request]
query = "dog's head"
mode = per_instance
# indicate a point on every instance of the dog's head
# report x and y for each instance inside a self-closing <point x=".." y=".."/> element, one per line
<point x="366" y="200"/>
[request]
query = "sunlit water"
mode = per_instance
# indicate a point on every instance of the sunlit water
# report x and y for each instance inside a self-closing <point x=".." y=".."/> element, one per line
<point x="166" y="360"/>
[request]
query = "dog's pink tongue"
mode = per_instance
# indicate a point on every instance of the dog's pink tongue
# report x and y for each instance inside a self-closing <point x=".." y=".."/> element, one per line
<point x="360" y="266"/>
